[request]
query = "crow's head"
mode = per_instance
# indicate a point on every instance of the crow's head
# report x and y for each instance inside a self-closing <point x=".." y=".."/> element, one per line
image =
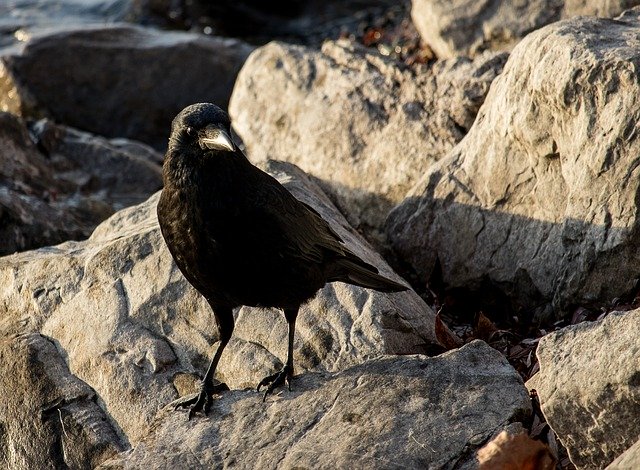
<point x="202" y="125"/>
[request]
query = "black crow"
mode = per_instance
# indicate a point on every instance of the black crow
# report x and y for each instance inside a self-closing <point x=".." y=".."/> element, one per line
<point x="240" y="238"/>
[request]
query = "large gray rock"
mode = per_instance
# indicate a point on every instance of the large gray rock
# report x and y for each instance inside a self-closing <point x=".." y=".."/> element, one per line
<point x="132" y="328"/>
<point x="588" y="387"/>
<point x="59" y="184"/>
<point x="540" y="197"/>
<point x="366" y="125"/>
<point x="117" y="80"/>
<point x="381" y="414"/>
<point x="467" y="27"/>
<point x="121" y="172"/>
<point x="49" y="418"/>
<point x="607" y="9"/>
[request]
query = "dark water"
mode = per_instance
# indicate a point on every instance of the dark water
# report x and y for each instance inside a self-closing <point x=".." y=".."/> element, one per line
<point x="22" y="13"/>
<point x="381" y="24"/>
<point x="256" y="21"/>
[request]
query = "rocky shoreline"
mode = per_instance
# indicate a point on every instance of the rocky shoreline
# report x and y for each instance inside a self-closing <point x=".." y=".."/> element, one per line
<point x="494" y="166"/>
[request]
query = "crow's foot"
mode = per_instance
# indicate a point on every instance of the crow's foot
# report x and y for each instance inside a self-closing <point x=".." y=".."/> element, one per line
<point x="203" y="400"/>
<point x="276" y="380"/>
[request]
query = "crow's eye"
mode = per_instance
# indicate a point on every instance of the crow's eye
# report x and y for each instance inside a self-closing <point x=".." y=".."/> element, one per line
<point x="190" y="131"/>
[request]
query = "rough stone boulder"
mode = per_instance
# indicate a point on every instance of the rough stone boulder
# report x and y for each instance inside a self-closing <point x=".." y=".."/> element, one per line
<point x="365" y="124"/>
<point x="117" y="80"/>
<point x="381" y="414"/>
<point x="50" y="418"/>
<point x="57" y="183"/>
<point x="132" y="328"/>
<point x="607" y="9"/>
<point x="540" y="198"/>
<point x="588" y="387"/>
<point x="466" y="27"/>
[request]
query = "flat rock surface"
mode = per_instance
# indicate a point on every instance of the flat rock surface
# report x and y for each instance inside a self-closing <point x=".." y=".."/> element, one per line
<point x="390" y="412"/>
<point x="132" y="328"/>
<point x="540" y="197"/>
<point x="588" y="387"/>
<point x="365" y="125"/>
<point x="117" y="80"/>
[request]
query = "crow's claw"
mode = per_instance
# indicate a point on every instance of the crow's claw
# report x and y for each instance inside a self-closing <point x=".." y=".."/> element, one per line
<point x="202" y="401"/>
<point x="275" y="380"/>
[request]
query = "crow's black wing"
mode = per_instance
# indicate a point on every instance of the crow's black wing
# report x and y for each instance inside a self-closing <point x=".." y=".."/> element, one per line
<point x="293" y="227"/>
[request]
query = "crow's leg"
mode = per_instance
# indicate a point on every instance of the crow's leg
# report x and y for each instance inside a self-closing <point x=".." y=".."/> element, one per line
<point x="203" y="400"/>
<point x="286" y="373"/>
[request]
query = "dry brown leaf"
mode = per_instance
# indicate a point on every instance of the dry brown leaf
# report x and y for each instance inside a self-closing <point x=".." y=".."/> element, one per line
<point x="517" y="352"/>
<point x="446" y="338"/>
<point x="484" y="328"/>
<point x="515" y="452"/>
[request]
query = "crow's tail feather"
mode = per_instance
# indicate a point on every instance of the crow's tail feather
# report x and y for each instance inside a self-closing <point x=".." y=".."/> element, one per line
<point x="365" y="275"/>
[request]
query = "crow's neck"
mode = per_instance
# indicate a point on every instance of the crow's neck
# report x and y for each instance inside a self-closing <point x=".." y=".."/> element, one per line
<point x="203" y="171"/>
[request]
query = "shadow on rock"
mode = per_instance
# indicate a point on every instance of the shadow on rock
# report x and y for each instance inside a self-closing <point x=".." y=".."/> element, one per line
<point x="57" y="183"/>
<point x="541" y="268"/>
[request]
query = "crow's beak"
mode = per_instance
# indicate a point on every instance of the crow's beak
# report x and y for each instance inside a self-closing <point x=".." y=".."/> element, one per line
<point x="215" y="138"/>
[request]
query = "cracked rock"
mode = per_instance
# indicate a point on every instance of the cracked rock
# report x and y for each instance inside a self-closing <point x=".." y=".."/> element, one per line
<point x="588" y="387"/>
<point x="540" y="197"/>
<point x="390" y="412"/>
